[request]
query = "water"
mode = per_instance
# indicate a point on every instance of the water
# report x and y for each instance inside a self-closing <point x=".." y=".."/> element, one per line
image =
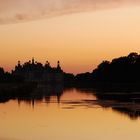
<point x="68" y="115"/>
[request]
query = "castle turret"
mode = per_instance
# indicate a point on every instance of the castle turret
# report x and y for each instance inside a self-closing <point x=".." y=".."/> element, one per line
<point x="36" y="72"/>
<point x="58" y="65"/>
<point x="33" y="61"/>
<point x="47" y="63"/>
<point x="19" y="64"/>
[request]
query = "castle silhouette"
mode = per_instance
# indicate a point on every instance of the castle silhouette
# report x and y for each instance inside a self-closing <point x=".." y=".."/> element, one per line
<point x="33" y="71"/>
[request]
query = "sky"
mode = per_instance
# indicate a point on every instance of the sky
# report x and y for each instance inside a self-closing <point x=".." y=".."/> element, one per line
<point x="79" y="33"/>
<point x="23" y="10"/>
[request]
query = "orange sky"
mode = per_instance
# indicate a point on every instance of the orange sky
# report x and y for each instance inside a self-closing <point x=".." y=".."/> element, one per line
<point x="80" y="41"/>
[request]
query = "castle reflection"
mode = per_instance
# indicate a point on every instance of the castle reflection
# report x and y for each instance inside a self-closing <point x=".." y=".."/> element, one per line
<point x="32" y="93"/>
<point x="42" y="93"/>
<point x="127" y="104"/>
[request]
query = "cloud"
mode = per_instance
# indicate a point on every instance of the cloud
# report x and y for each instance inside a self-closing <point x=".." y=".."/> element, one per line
<point x="12" y="11"/>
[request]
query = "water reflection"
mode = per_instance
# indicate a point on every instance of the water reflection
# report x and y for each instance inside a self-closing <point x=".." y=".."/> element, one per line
<point x="124" y="103"/>
<point x="42" y="93"/>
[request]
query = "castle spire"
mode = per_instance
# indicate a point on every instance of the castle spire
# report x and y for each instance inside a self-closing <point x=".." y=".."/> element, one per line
<point x="33" y="61"/>
<point x="18" y="63"/>
<point x="58" y="65"/>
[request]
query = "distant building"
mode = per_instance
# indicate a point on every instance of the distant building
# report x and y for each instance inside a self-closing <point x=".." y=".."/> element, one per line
<point x="36" y="72"/>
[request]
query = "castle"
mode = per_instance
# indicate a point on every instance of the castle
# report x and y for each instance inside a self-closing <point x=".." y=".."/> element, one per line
<point x="33" y="71"/>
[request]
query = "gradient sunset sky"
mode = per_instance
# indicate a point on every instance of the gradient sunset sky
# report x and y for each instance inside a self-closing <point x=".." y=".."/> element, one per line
<point x="79" y="33"/>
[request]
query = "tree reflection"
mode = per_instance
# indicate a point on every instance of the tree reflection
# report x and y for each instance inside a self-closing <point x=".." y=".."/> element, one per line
<point x="124" y="103"/>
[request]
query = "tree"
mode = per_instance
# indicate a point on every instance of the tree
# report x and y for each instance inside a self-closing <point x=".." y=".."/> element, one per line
<point x="1" y="71"/>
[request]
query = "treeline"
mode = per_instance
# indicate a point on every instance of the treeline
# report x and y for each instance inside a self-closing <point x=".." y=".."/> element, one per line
<point x="6" y="77"/>
<point x="124" y="69"/>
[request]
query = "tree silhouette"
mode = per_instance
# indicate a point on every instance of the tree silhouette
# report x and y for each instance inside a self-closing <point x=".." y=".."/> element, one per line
<point x="122" y="69"/>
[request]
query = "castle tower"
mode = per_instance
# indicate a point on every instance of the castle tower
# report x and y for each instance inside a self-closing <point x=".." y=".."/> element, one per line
<point x="58" y="65"/>
<point x="19" y="64"/>
<point x="47" y="64"/>
<point x="33" y="61"/>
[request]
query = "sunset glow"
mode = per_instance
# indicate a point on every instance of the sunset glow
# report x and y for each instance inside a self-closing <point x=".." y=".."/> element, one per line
<point x="79" y="40"/>
<point x="69" y="69"/>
